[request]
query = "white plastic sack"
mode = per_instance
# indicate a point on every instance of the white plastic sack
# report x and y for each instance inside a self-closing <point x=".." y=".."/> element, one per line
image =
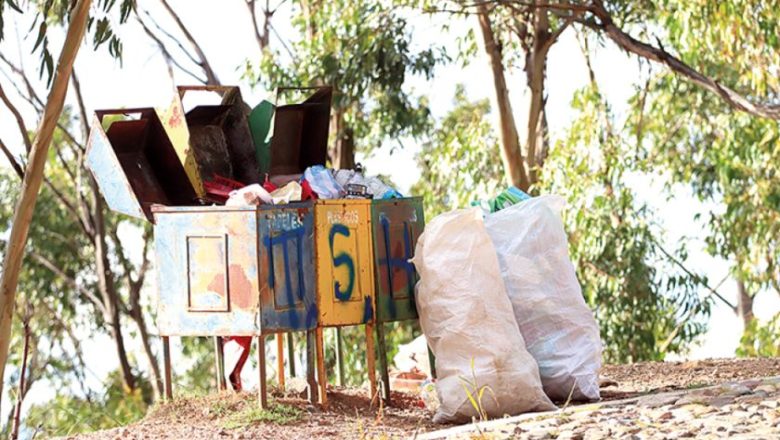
<point x="253" y="194"/>
<point x="466" y="317"/>
<point x="559" y="329"/>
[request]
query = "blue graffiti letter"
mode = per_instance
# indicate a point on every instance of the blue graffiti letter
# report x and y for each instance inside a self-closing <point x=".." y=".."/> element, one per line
<point x="342" y="259"/>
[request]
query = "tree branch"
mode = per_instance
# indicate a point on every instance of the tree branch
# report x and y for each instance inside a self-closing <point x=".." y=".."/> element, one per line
<point x="18" y="117"/>
<point x="48" y="264"/>
<point x="659" y="55"/>
<point x="693" y="275"/>
<point x="12" y="160"/>
<point x="203" y="63"/>
<point x="166" y="53"/>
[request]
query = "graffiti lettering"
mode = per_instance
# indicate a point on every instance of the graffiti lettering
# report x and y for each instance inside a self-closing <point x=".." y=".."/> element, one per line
<point x="345" y="218"/>
<point x="342" y="259"/>
<point x="401" y="263"/>
<point x="294" y="236"/>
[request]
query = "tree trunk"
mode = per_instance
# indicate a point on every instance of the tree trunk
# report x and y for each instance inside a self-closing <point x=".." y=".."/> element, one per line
<point x="108" y="290"/>
<point x="535" y="69"/>
<point x="511" y="155"/>
<point x="154" y="366"/>
<point x="744" y="304"/>
<point x="33" y="177"/>
<point x="343" y="156"/>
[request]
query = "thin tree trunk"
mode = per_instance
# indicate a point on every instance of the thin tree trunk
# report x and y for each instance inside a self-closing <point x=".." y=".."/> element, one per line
<point x="108" y="288"/>
<point x="511" y="155"/>
<point x="22" y="384"/>
<point x="33" y="177"/>
<point x="744" y="304"/>
<point x="154" y="366"/>
<point x="535" y="68"/>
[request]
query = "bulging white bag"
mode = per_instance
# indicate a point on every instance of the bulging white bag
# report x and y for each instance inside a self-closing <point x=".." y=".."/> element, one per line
<point x="559" y="329"/>
<point x="467" y="317"/>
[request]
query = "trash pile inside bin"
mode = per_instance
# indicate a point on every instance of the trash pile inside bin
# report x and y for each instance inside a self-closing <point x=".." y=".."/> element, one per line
<point x="316" y="182"/>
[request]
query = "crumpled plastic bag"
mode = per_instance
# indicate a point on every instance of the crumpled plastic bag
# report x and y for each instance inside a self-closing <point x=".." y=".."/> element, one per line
<point x="288" y="193"/>
<point x="374" y="185"/>
<point x="467" y="319"/>
<point x="323" y="183"/>
<point x="249" y="195"/>
<point x="559" y="329"/>
<point x="413" y="356"/>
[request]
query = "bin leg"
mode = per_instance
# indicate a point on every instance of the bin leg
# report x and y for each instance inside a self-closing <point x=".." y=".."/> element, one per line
<point x="380" y="339"/>
<point x="322" y="377"/>
<point x="168" y="386"/>
<point x="219" y="363"/>
<point x="339" y="357"/>
<point x="261" y="385"/>
<point x="280" y="359"/>
<point x="291" y="353"/>
<point x="371" y="360"/>
<point x="310" y="365"/>
<point x="432" y="362"/>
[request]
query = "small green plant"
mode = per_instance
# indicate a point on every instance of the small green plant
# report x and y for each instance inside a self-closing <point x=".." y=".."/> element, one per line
<point x="278" y="414"/>
<point x="475" y="393"/>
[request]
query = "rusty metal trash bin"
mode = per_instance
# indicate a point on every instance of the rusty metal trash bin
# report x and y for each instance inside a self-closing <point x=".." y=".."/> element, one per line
<point x="396" y="226"/>
<point x="222" y="271"/>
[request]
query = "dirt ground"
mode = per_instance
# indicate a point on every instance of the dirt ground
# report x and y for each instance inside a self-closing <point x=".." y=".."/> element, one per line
<point x="350" y="414"/>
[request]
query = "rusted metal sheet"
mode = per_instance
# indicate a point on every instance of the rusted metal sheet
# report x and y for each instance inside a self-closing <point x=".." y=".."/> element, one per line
<point x="208" y="272"/>
<point x="344" y="262"/>
<point x="300" y="135"/>
<point x="175" y="126"/>
<point x="287" y="260"/>
<point x="135" y="164"/>
<point x="396" y="224"/>
<point x="219" y="137"/>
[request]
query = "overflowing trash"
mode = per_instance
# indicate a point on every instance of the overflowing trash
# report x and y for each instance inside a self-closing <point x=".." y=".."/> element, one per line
<point x="509" y="197"/>
<point x="467" y="319"/>
<point x="317" y="182"/>
<point x="558" y="327"/>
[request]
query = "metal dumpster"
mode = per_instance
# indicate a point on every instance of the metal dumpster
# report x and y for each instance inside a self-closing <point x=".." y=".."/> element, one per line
<point x="222" y="271"/>
<point x="396" y="226"/>
<point x="345" y="275"/>
<point x="234" y="271"/>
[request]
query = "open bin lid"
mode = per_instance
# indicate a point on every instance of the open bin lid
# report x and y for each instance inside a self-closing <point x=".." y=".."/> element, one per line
<point x="300" y="131"/>
<point x="135" y="164"/>
<point x="220" y="140"/>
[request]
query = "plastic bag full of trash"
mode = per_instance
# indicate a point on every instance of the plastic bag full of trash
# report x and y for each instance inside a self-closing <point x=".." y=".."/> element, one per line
<point x="467" y="319"/>
<point x="559" y="329"/>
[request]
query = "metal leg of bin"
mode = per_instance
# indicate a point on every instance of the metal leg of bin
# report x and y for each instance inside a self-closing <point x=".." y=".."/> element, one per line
<point x="291" y="353"/>
<point x="167" y="368"/>
<point x="322" y="378"/>
<point x="432" y="361"/>
<point x="262" y="390"/>
<point x="380" y="339"/>
<point x="219" y="361"/>
<point x="339" y="358"/>
<point x="310" y="365"/>
<point x="371" y="360"/>
<point x="280" y="359"/>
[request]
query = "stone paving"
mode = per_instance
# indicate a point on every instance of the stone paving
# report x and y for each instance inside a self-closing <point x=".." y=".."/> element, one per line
<point x="738" y="410"/>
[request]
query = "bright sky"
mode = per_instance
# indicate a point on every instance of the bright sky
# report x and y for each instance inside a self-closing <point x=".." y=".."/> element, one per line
<point x="227" y="39"/>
